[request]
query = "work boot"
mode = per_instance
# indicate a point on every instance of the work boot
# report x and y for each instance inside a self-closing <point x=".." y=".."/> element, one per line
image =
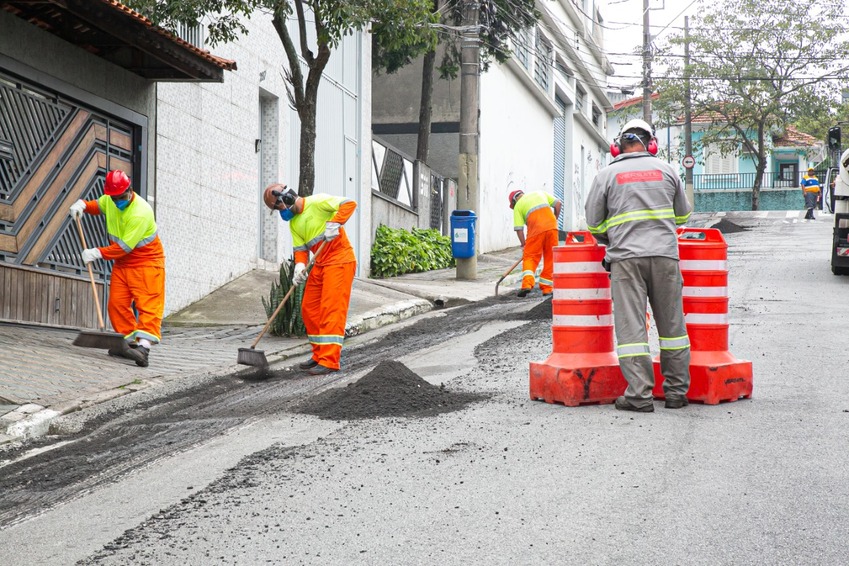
<point x="321" y="370"/>
<point x="523" y="292"/>
<point x="676" y="402"/>
<point x="309" y="364"/>
<point x="138" y="354"/>
<point x="623" y="404"/>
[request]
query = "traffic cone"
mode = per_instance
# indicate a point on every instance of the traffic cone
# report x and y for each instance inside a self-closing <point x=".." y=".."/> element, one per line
<point x="715" y="374"/>
<point x="583" y="367"/>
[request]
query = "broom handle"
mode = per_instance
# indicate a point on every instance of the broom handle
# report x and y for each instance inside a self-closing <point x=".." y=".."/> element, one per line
<point x="286" y="297"/>
<point x="91" y="276"/>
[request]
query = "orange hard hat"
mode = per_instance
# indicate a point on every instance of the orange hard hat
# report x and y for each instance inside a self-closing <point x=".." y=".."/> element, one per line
<point x="514" y="196"/>
<point x="116" y="183"/>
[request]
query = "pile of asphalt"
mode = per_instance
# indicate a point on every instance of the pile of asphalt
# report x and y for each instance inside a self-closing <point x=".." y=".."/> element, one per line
<point x="391" y="389"/>
<point x="728" y="227"/>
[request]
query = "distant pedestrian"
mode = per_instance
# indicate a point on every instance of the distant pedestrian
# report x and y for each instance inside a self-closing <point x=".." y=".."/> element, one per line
<point x="538" y="211"/>
<point x="811" y="189"/>
<point x="634" y="207"/>
<point x="137" y="287"/>
<point x="327" y="294"/>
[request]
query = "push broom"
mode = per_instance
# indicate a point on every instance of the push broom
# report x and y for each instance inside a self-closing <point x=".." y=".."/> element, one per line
<point x="253" y="357"/>
<point x="89" y="338"/>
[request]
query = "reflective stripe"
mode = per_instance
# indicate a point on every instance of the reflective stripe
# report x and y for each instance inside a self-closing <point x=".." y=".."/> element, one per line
<point x="545" y="282"/>
<point x="581" y="294"/>
<point x="679" y="343"/>
<point x="578" y="267"/>
<point x="582" y="320"/>
<point x="120" y="242"/>
<point x="631" y="350"/>
<point x="326" y="339"/>
<point x="529" y="273"/>
<point x="634" y="216"/>
<point x="705" y="291"/>
<point x="696" y="318"/>
<point x="682" y="219"/>
<point x="703" y="265"/>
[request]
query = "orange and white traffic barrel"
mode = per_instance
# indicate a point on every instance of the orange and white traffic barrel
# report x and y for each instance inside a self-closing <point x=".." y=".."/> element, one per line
<point x="583" y="367"/>
<point x="715" y="374"/>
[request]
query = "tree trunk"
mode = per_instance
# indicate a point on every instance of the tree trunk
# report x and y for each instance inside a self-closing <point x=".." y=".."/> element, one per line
<point x="759" y="170"/>
<point x="426" y="106"/>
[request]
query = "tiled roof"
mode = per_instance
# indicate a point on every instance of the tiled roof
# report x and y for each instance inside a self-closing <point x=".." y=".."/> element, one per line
<point x="110" y="30"/>
<point x="627" y="103"/>
<point x="219" y="62"/>
<point x="794" y="138"/>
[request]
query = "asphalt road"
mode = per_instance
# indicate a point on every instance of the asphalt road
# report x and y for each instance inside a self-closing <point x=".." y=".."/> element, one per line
<point x="232" y="476"/>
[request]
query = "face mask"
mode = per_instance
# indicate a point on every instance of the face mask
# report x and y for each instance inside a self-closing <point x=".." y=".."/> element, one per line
<point x="122" y="204"/>
<point x="287" y="214"/>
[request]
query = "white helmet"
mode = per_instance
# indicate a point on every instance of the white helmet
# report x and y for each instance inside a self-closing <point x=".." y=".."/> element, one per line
<point x="637" y="124"/>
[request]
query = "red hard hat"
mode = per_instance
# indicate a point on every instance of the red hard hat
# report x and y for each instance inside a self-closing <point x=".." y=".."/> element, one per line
<point x="514" y="196"/>
<point x="116" y="183"/>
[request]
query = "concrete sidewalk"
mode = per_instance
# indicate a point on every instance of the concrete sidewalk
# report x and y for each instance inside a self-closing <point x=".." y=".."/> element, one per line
<point x="42" y="375"/>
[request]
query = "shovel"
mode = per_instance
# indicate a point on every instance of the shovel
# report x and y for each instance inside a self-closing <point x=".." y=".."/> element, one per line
<point x="506" y="273"/>
<point x="253" y="357"/>
<point x="89" y="338"/>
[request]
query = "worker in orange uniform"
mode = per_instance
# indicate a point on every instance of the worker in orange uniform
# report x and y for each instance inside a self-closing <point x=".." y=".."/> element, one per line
<point x="324" y="306"/>
<point x="138" y="274"/>
<point x="534" y="210"/>
<point x="811" y="190"/>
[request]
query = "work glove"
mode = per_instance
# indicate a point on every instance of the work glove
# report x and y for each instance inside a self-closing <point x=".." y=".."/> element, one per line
<point x="91" y="254"/>
<point x="331" y="230"/>
<point x="77" y="209"/>
<point x="300" y="274"/>
<point x="605" y="264"/>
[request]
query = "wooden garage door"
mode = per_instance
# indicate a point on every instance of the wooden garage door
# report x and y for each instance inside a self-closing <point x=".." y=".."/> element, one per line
<point x="53" y="151"/>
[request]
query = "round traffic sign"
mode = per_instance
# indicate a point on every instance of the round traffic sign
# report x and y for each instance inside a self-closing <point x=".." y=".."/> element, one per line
<point x="689" y="161"/>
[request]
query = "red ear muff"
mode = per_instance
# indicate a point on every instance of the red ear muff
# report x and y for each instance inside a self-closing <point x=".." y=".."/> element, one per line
<point x="652" y="148"/>
<point x="615" y="150"/>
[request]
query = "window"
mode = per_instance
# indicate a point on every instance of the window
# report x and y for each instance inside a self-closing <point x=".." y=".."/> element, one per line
<point x="580" y="98"/>
<point x="522" y="47"/>
<point x="717" y="164"/>
<point x="542" y="62"/>
<point x="596" y="116"/>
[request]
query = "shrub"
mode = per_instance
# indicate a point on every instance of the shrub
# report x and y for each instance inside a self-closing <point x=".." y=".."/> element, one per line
<point x="396" y="251"/>
<point x="288" y="321"/>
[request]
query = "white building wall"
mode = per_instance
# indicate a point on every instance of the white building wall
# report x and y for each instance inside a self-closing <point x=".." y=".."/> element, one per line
<point x="516" y="150"/>
<point x="210" y="175"/>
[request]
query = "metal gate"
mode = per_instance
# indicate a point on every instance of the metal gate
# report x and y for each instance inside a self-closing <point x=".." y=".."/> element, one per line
<point x="55" y="151"/>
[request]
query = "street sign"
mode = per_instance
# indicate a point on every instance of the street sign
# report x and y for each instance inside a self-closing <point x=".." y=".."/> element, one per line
<point x="689" y="161"/>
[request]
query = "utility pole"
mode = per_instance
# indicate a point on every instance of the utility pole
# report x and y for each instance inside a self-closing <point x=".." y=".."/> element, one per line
<point x="647" y="85"/>
<point x="467" y="193"/>
<point x="688" y="125"/>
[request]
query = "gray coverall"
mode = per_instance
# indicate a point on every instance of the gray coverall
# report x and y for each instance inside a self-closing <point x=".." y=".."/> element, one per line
<point x="634" y="207"/>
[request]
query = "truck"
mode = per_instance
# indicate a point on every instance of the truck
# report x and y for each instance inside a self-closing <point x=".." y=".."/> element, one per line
<point x="838" y="201"/>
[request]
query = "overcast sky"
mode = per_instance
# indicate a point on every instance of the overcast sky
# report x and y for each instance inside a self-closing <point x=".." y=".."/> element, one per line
<point x="623" y="33"/>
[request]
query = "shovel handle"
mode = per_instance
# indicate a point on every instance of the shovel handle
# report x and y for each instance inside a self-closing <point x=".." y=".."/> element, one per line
<point x="286" y="298"/>
<point x="90" y="275"/>
<point x="506" y="273"/>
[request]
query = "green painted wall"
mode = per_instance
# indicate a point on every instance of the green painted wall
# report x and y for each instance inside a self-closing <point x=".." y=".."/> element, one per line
<point x="771" y="199"/>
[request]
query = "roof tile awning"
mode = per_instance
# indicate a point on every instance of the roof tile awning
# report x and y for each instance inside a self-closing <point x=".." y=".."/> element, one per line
<point x="110" y="30"/>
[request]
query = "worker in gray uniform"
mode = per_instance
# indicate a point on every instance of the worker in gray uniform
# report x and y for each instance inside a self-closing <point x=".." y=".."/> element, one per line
<point x="634" y="207"/>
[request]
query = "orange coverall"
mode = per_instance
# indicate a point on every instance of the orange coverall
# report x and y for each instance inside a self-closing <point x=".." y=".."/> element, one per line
<point x="138" y="275"/>
<point x="534" y="211"/>
<point x="328" y="290"/>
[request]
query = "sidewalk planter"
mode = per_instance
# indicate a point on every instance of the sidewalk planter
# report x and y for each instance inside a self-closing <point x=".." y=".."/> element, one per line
<point x="463" y="233"/>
